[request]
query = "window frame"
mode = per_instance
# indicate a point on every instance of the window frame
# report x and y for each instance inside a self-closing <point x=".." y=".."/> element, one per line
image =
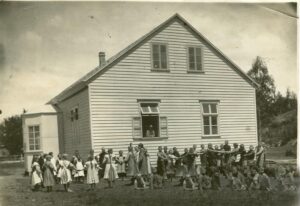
<point x="154" y="114"/>
<point x="140" y="117"/>
<point x="217" y="114"/>
<point x="73" y="116"/>
<point x="167" y="57"/>
<point x="201" y="71"/>
<point x="34" y="138"/>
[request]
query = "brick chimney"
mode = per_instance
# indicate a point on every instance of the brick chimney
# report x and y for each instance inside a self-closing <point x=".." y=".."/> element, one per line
<point x="101" y="59"/>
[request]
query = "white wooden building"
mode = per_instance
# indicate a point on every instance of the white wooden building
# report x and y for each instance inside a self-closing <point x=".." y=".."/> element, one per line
<point x="40" y="133"/>
<point x="172" y="78"/>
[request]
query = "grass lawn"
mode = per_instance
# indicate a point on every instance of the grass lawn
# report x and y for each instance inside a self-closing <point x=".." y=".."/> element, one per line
<point x="15" y="190"/>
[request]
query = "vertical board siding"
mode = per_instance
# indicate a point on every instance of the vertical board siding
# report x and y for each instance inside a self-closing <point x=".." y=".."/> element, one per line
<point x="81" y="142"/>
<point x="113" y="97"/>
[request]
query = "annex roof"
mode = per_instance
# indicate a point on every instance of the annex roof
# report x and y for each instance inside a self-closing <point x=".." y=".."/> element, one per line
<point x="42" y="109"/>
<point x="90" y="76"/>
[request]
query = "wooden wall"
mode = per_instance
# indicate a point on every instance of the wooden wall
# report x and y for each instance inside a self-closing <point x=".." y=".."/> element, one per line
<point x="76" y="134"/>
<point x="113" y="96"/>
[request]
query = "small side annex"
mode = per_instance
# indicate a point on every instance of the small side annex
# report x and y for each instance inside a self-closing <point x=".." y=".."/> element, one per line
<point x="40" y="133"/>
<point x="173" y="79"/>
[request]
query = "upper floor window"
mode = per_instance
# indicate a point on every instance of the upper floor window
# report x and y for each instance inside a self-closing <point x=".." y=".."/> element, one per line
<point x="210" y="118"/>
<point x="195" y="59"/>
<point x="74" y="114"/>
<point x="34" y="137"/>
<point x="159" y="56"/>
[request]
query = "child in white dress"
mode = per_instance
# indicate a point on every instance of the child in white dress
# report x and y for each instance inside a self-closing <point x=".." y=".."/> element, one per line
<point x="64" y="172"/>
<point x="110" y="173"/>
<point x="36" y="177"/>
<point x="79" y="170"/>
<point x="121" y="165"/>
<point x="92" y="168"/>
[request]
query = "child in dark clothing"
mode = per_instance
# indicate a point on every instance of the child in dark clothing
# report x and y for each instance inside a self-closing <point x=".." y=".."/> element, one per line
<point x="264" y="181"/>
<point x="188" y="183"/>
<point x="215" y="179"/>
<point x="156" y="181"/>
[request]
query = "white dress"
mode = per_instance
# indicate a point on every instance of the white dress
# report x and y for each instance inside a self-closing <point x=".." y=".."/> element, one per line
<point x="59" y="169"/>
<point x="110" y="172"/>
<point x="65" y="173"/>
<point x="79" y="169"/>
<point x="92" y="172"/>
<point x="53" y="161"/>
<point x="36" y="177"/>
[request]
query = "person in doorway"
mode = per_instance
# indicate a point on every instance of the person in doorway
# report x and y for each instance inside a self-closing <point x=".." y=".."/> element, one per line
<point x="150" y="131"/>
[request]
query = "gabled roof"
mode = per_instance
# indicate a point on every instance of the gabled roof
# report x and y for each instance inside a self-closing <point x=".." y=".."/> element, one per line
<point x="85" y="80"/>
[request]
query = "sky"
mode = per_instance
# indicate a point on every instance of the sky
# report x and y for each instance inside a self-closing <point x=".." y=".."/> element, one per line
<point x="46" y="46"/>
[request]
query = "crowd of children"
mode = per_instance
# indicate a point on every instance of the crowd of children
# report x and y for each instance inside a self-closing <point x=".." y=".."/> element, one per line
<point x="202" y="169"/>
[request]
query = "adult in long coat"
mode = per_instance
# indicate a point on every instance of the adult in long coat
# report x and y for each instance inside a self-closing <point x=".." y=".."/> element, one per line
<point x="161" y="158"/>
<point x="260" y="156"/>
<point x="143" y="161"/>
<point x="101" y="162"/>
<point x="48" y="174"/>
<point x="131" y="163"/>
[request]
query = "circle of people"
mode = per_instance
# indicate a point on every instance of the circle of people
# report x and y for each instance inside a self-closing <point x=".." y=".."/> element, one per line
<point x="196" y="169"/>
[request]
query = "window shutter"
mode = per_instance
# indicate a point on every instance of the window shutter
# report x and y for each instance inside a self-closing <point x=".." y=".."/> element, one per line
<point x="163" y="126"/>
<point x="136" y="127"/>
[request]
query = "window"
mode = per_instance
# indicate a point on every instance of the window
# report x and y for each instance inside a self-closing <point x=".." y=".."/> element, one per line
<point x="159" y="56"/>
<point x="34" y="137"/>
<point x="210" y="119"/>
<point x="195" y="59"/>
<point x="74" y="114"/>
<point x="150" y="124"/>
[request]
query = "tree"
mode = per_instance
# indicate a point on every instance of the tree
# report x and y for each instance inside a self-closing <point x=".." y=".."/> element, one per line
<point x="290" y="100"/>
<point x="11" y="134"/>
<point x="265" y="93"/>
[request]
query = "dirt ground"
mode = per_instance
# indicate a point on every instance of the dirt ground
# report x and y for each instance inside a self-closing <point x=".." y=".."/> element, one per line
<point x="15" y="190"/>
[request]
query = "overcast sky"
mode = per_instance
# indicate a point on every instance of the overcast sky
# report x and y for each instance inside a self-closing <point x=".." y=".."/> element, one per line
<point x="46" y="46"/>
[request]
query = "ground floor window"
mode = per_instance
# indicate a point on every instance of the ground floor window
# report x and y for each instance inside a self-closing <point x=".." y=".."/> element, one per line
<point x="210" y="117"/>
<point x="34" y="137"/>
<point x="150" y="124"/>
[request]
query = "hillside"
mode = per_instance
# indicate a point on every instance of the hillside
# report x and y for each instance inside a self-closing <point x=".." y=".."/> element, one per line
<point x="281" y="129"/>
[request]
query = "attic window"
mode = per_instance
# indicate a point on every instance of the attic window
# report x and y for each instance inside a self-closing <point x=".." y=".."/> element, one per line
<point x="159" y="56"/>
<point x="195" y="59"/>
